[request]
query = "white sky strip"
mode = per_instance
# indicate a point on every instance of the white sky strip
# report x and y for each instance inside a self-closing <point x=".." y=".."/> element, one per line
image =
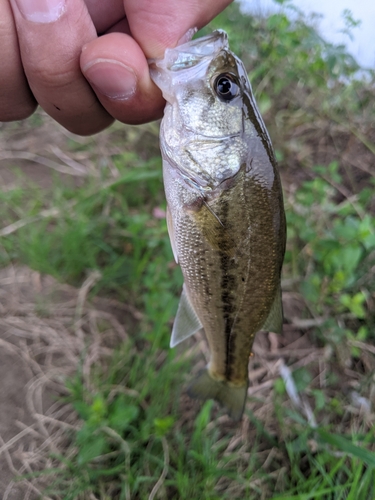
<point x="332" y="23"/>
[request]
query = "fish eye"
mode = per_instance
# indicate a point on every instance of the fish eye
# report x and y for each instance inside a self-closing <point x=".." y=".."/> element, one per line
<point x="226" y="87"/>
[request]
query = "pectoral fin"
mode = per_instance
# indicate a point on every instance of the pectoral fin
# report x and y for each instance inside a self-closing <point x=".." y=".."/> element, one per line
<point x="186" y="323"/>
<point x="171" y="234"/>
<point x="274" y="322"/>
<point x="212" y="229"/>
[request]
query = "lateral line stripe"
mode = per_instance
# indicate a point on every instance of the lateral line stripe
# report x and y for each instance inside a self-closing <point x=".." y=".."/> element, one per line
<point x="226" y="298"/>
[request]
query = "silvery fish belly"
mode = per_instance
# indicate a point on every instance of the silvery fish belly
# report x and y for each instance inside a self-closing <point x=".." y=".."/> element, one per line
<point x="225" y="210"/>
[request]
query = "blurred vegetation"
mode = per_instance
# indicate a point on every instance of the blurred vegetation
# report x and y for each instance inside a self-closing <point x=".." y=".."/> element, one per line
<point x="320" y="112"/>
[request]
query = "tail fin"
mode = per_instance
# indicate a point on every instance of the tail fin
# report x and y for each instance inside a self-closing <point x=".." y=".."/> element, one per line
<point x="233" y="398"/>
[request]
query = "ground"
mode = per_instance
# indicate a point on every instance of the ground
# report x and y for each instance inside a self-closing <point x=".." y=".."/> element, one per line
<point x="44" y="328"/>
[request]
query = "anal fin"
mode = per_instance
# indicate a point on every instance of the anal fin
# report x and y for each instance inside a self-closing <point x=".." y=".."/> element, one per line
<point x="186" y="323"/>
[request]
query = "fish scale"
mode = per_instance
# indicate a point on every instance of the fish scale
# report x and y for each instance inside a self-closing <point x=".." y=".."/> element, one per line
<point x="225" y="216"/>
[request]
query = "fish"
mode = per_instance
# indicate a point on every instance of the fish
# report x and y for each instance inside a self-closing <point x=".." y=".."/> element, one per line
<point x="225" y="212"/>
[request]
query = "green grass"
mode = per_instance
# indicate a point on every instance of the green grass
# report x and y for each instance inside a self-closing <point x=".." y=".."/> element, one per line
<point x="139" y="437"/>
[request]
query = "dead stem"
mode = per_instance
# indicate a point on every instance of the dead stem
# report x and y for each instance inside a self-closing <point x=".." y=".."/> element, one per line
<point x="164" y="473"/>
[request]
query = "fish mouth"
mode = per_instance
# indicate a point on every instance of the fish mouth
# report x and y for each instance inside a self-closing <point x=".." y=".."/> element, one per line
<point x="191" y="53"/>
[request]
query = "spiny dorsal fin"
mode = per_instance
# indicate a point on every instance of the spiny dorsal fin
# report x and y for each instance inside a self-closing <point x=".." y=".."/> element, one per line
<point x="186" y="322"/>
<point x="274" y="322"/>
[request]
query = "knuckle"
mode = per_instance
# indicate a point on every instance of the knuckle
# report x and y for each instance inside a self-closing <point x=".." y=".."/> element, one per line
<point x="49" y="76"/>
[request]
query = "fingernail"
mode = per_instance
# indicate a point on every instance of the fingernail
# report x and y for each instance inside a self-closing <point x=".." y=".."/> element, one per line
<point x="41" y="11"/>
<point x="188" y="36"/>
<point x="111" y="78"/>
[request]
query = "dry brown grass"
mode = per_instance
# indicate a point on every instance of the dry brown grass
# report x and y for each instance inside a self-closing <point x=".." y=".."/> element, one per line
<point x="48" y="329"/>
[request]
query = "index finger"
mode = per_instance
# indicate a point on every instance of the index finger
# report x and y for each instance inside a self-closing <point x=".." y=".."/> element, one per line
<point x="158" y="25"/>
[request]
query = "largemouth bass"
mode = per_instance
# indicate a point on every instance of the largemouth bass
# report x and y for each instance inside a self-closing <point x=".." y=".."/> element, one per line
<point x="225" y="211"/>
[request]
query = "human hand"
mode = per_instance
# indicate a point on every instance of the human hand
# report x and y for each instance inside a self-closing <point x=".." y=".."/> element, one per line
<point x="51" y="54"/>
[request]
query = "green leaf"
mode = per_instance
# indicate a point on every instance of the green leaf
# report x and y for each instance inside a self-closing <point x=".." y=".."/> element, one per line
<point x="122" y="414"/>
<point x="82" y="409"/>
<point x="279" y="386"/>
<point x="91" y="449"/>
<point x="349" y="257"/>
<point x="302" y="378"/>
<point x="203" y="416"/>
<point x="162" y="425"/>
<point x="348" y="447"/>
<point x="98" y="406"/>
<point x="320" y="399"/>
<point x="354" y="304"/>
<point x="324" y="493"/>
